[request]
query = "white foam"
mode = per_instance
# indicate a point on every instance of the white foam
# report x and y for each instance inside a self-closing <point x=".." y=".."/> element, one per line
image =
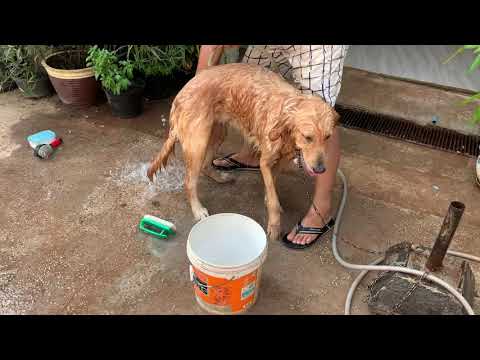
<point x="170" y="179"/>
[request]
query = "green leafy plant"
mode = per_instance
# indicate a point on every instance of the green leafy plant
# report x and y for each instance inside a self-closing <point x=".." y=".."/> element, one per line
<point x="191" y="57"/>
<point x="475" y="65"/>
<point x="117" y="65"/>
<point x="24" y="62"/>
<point x="5" y="77"/>
<point x="162" y="60"/>
<point x="116" y="75"/>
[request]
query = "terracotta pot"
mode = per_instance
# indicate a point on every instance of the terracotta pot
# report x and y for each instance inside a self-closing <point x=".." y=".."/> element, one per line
<point x="74" y="87"/>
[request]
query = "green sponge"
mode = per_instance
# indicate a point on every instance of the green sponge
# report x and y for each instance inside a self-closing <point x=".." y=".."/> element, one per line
<point x="157" y="227"/>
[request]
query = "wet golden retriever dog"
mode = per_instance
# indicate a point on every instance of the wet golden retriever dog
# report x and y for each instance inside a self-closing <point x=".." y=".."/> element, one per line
<point x="273" y="116"/>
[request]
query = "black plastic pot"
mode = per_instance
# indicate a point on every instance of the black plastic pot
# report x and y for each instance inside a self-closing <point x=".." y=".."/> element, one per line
<point x="128" y="104"/>
<point x="41" y="88"/>
<point x="161" y="87"/>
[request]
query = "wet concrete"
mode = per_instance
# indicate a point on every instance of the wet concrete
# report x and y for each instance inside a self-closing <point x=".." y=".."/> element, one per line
<point x="69" y="242"/>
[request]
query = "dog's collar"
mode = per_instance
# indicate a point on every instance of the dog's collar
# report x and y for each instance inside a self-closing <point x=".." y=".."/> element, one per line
<point x="298" y="158"/>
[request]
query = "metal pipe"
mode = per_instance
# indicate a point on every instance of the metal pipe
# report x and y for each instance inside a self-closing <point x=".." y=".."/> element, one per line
<point x="449" y="226"/>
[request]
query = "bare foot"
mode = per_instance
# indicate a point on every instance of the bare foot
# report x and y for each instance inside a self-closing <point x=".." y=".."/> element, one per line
<point x="311" y="219"/>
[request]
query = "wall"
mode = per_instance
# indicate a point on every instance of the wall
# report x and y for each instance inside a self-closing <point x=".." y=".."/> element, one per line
<point x="417" y="62"/>
<point x="409" y="100"/>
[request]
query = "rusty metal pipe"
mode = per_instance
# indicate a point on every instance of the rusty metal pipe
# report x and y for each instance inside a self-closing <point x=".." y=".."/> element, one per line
<point x="449" y="226"/>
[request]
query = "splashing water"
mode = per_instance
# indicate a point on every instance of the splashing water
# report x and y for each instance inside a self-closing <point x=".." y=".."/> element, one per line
<point x="169" y="179"/>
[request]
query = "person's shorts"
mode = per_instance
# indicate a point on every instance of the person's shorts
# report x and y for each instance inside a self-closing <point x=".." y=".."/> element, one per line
<point x="314" y="69"/>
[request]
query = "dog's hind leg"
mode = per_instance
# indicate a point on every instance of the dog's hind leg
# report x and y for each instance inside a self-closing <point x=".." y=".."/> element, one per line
<point x="194" y="151"/>
<point x="216" y="139"/>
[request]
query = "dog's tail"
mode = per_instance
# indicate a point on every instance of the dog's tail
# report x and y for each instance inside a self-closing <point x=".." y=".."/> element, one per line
<point x="162" y="157"/>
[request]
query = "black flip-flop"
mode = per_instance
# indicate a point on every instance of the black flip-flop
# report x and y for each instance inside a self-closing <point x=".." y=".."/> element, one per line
<point x="300" y="229"/>
<point x="234" y="165"/>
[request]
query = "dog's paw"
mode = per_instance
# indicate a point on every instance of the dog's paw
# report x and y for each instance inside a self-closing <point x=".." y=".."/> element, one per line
<point x="151" y="174"/>
<point x="200" y="213"/>
<point x="274" y="232"/>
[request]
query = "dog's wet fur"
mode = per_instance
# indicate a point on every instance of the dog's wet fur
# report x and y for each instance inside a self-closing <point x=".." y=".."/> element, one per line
<point x="273" y="116"/>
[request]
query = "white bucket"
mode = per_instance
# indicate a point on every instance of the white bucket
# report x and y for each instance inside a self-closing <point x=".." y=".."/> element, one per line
<point x="478" y="170"/>
<point x="226" y="252"/>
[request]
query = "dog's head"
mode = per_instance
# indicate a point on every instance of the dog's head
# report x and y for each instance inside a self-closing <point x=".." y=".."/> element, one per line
<point x="309" y="122"/>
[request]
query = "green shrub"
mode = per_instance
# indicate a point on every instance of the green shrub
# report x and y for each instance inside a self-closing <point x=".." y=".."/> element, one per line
<point x="115" y="75"/>
<point x="162" y="60"/>
<point x="24" y="62"/>
<point x="117" y="65"/>
<point x="473" y="67"/>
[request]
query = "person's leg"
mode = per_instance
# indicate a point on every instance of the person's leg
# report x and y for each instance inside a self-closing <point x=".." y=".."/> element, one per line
<point x="260" y="55"/>
<point x="322" y="197"/>
<point x="318" y="70"/>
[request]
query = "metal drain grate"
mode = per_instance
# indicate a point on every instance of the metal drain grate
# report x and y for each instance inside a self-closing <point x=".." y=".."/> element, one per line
<point x="428" y="135"/>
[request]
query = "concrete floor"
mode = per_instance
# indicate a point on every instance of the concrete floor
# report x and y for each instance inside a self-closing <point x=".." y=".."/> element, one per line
<point x="69" y="242"/>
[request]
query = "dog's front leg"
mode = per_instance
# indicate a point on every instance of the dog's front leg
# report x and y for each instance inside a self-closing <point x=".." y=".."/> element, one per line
<point x="271" y="199"/>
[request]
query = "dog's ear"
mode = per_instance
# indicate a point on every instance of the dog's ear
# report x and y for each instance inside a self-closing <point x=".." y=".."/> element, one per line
<point x="279" y="129"/>
<point x="284" y="118"/>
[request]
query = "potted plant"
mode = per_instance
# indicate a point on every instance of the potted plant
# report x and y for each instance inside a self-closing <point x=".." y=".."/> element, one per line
<point x="166" y="68"/>
<point x="23" y="65"/>
<point x="6" y="82"/>
<point x="188" y="67"/>
<point x="474" y="98"/>
<point x="124" y="90"/>
<point x="72" y="79"/>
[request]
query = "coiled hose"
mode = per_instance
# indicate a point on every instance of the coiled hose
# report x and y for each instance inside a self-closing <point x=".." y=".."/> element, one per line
<point x="375" y="267"/>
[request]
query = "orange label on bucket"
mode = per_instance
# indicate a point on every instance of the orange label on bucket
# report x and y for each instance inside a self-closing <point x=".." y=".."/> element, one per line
<point x="233" y="294"/>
